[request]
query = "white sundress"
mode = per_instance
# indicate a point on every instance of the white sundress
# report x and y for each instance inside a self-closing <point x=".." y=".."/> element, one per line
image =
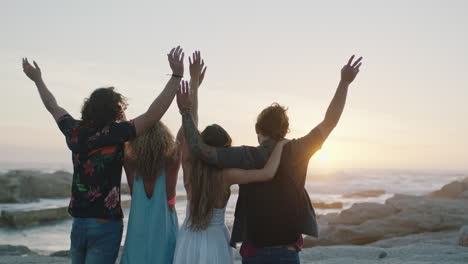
<point x="209" y="246"/>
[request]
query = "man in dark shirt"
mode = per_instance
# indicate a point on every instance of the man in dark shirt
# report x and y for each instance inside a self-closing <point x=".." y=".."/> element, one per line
<point x="271" y="217"/>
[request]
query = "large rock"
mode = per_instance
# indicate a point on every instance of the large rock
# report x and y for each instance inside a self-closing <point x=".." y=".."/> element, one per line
<point x="412" y="214"/>
<point x="20" y="186"/>
<point x="365" y="194"/>
<point x="463" y="237"/>
<point x="361" y="212"/>
<point x="32" y="217"/>
<point x="427" y="248"/>
<point x="452" y="190"/>
<point x="10" y="250"/>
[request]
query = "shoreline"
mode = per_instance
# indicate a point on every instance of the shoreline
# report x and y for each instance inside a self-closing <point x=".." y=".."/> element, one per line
<point x="423" y="248"/>
<point x="374" y="223"/>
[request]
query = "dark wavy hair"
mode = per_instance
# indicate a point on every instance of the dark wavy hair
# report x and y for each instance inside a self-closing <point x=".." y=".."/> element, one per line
<point x="206" y="185"/>
<point x="104" y="106"/>
<point x="273" y="122"/>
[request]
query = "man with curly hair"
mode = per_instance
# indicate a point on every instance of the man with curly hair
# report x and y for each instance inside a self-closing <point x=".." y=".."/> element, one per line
<point x="97" y="145"/>
<point x="271" y="217"/>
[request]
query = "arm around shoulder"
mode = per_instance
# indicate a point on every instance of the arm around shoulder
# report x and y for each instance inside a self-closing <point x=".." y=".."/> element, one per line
<point x="239" y="176"/>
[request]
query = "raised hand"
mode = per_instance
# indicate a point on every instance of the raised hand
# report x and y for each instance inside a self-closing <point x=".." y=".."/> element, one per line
<point x="350" y="70"/>
<point x="176" y="60"/>
<point x="184" y="98"/>
<point x="33" y="72"/>
<point x="197" y="67"/>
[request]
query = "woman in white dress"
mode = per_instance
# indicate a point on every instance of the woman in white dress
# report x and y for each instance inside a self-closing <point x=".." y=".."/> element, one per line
<point x="204" y="237"/>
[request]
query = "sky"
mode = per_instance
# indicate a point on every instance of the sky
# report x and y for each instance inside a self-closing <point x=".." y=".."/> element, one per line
<point x="406" y="109"/>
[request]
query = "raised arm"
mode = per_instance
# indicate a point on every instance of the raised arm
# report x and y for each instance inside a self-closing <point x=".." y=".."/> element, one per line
<point x="192" y="135"/>
<point x="34" y="73"/>
<point x="197" y="74"/>
<point x="239" y="176"/>
<point x="160" y="105"/>
<point x="348" y="73"/>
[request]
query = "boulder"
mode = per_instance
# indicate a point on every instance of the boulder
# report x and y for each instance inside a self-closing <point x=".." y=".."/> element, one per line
<point x="32" y="217"/>
<point x="411" y="215"/>
<point x="452" y="190"/>
<point x="365" y="194"/>
<point x="463" y="237"/>
<point x="19" y="186"/>
<point x="361" y="212"/>
<point x="326" y="218"/>
<point x="10" y="250"/>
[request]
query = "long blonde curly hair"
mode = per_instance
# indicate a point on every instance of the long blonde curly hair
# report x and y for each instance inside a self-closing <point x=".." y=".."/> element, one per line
<point x="151" y="151"/>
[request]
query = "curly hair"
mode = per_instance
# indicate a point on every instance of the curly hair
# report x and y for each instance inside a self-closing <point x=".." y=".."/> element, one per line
<point x="205" y="184"/>
<point x="103" y="106"/>
<point x="150" y="151"/>
<point x="273" y="122"/>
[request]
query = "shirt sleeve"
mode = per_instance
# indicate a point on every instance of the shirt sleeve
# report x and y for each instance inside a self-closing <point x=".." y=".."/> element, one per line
<point x="66" y="124"/>
<point x="305" y="147"/>
<point x="124" y="131"/>
<point x="236" y="157"/>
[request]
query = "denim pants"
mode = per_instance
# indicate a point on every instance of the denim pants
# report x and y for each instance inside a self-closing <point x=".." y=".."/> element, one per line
<point x="95" y="242"/>
<point x="279" y="255"/>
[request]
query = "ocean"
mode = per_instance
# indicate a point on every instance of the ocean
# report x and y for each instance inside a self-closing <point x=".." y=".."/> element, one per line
<point x="325" y="187"/>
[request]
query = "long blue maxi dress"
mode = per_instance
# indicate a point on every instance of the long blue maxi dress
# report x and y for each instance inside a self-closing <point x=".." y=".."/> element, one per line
<point x="152" y="227"/>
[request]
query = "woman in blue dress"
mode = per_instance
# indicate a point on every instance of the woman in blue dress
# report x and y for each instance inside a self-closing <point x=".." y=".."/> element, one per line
<point x="152" y="164"/>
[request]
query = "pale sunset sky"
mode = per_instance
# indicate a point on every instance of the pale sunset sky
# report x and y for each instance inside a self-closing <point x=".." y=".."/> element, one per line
<point x="406" y="109"/>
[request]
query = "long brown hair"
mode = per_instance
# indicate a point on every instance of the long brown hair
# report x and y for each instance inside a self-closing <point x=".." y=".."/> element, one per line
<point x="150" y="151"/>
<point x="103" y="106"/>
<point x="205" y="184"/>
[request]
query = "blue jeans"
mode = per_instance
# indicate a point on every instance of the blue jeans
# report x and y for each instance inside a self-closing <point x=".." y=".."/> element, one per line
<point x="279" y="255"/>
<point x="95" y="242"/>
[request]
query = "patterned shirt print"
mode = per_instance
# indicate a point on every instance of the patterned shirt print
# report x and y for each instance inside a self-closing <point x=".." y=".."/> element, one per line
<point x="97" y="156"/>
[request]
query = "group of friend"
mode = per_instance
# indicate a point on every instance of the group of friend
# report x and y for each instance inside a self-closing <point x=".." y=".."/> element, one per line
<point x="273" y="209"/>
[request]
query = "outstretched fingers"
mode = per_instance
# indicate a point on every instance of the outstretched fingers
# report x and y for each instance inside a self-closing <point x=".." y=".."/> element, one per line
<point x="350" y="60"/>
<point x="37" y="66"/>
<point x="358" y="66"/>
<point x="357" y="62"/>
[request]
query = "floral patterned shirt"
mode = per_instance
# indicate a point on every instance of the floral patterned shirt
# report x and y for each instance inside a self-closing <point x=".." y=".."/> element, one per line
<point x="97" y="156"/>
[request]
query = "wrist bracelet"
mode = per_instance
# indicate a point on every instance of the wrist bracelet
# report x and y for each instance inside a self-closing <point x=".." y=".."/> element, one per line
<point x="172" y="201"/>
<point x="177" y="76"/>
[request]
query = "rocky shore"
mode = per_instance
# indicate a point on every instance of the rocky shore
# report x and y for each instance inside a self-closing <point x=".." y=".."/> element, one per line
<point x="401" y="215"/>
<point x="423" y="248"/>
<point x="432" y="228"/>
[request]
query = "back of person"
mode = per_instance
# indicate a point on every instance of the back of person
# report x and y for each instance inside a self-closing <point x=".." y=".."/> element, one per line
<point x="152" y="164"/>
<point x="210" y="245"/>
<point x="277" y="210"/>
<point x="152" y="227"/>
<point x="204" y="237"/>
<point x="97" y="161"/>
